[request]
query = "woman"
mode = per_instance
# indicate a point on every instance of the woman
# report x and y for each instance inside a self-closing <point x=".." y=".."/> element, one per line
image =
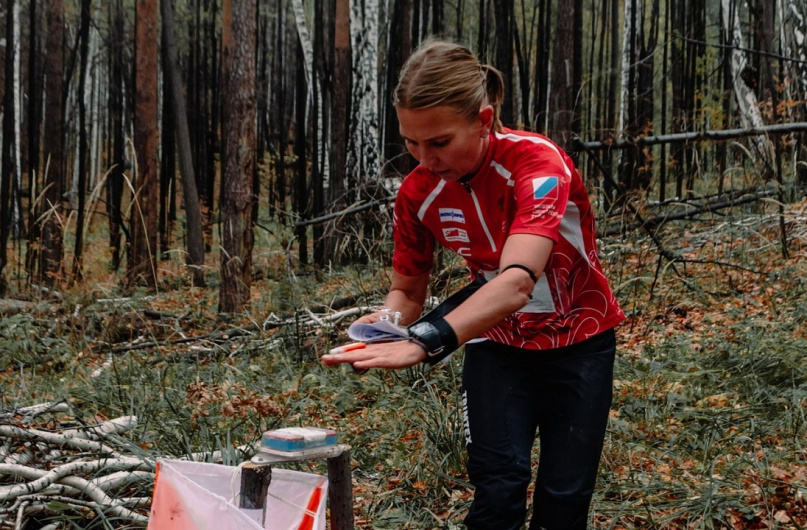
<point x="511" y="203"/>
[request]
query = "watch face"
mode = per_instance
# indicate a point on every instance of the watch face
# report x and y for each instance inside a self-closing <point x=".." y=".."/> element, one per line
<point x="419" y="328"/>
<point x="425" y="334"/>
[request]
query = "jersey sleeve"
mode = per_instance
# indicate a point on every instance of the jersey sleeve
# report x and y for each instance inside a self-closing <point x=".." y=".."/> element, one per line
<point x="414" y="243"/>
<point x="542" y="183"/>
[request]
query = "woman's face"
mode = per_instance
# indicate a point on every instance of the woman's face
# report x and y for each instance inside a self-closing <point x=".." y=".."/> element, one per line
<point x="444" y="141"/>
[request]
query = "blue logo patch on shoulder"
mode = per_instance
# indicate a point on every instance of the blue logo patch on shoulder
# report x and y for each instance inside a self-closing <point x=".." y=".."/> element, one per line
<point x="544" y="187"/>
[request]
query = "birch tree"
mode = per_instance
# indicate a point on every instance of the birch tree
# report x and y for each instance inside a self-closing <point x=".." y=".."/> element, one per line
<point x="793" y="34"/>
<point x="363" y="151"/>
<point x="747" y="102"/>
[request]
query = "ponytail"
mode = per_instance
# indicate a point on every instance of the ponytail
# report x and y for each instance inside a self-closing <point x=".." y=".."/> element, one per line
<point x="441" y="73"/>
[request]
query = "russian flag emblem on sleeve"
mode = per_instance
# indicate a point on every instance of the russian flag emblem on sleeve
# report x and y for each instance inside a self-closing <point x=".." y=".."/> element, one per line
<point x="544" y="187"/>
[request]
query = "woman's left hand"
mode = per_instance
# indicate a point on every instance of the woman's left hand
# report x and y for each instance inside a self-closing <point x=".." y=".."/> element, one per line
<point x="392" y="355"/>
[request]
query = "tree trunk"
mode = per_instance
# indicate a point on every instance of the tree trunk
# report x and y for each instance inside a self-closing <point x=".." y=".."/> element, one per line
<point x="16" y="89"/>
<point x="168" y="156"/>
<point x="320" y="116"/>
<point x="750" y="115"/>
<point x="562" y="92"/>
<point x="363" y="161"/>
<point x="49" y="269"/>
<point x="629" y="159"/>
<point x="663" y="162"/>
<point x="142" y="268"/>
<point x="399" y="46"/>
<point x="300" y="139"/>
<point x="305" y="97"/>
<point x="35" y="84"/>
<point x="540" y="122"/>
<point x="363" y="153"/>
<point x="340" y="110"/>
<point x="238" y="150"/>
<point x="505" y="13"/>
<point x="793" y="24"/>
<point x="116" y="105"/>
<point x="83" y="147"/>
<point x="7" y="173"/>
<point x="195" y="259"/>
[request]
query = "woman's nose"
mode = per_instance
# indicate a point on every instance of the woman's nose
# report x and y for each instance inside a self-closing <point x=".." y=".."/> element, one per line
<point x="428" y="157"/>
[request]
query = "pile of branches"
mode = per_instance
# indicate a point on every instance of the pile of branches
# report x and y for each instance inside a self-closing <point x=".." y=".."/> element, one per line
<point x="52" y="469"/>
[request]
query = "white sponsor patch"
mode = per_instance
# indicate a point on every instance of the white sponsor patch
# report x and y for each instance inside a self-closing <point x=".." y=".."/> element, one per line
<point x="451" y="215"/>
<point x="456" y="234"/>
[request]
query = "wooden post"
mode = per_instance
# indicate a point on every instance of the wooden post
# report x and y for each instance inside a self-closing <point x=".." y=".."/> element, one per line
<point x="255" y="479"/>
<point x="340" y="481"/>
<point x="340" y="491"/>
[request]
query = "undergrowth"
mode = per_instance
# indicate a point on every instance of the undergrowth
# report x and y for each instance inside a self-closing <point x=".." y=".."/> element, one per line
<point x="708" y="424"/>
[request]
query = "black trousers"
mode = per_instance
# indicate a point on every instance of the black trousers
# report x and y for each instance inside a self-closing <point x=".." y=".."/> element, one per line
<point x="509" y="393"/>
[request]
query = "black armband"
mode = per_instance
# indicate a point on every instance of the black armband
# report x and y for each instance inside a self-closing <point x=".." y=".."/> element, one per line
<point x="436" y="338"/>
<point x="525" y="269"/>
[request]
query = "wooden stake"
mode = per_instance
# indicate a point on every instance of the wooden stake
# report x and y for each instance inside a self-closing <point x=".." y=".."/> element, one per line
<point x="340" y="491"/>
<point x="255" y="480"/>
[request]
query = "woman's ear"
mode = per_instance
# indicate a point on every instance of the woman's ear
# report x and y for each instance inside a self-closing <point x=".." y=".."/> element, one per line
<point x="486" y="118"/>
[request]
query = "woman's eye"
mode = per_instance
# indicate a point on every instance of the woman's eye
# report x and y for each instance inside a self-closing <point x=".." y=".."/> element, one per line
<point x="441" y="143"/>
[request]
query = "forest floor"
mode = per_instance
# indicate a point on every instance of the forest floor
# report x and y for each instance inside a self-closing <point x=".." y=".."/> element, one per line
<point x="708" y="426"/>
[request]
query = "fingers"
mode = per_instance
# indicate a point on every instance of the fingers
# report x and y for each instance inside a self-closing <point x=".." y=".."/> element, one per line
<point x="372" y="317"/>
<point x="392" y="355"/>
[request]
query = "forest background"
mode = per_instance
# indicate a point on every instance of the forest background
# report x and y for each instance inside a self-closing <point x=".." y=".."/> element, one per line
<point x="195" y="200"/>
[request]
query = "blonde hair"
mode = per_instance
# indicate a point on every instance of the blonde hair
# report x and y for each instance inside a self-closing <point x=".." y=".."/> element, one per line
<point x="442" y="73"/>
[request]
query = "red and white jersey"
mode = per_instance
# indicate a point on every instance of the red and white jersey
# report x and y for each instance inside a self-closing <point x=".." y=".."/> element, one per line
<point x="526" y="185"/>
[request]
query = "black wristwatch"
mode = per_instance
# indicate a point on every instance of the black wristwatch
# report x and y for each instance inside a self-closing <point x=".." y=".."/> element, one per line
<point x="425" y="335"/>
<point x="436" y="338"/>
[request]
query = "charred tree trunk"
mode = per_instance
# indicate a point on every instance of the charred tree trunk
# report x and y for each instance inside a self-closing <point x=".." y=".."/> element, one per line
<point x="142" y="268"/>
<point x="35" y="82"/>
<point x="167" y="156"/>
<point x="629" y="159"/>
<point x="300" y="142"/>
<point x="238" y="160"/>
<point x="793" y="20"/>
<point x="319" y="112"/>
<point x="83" y="150"/>
<point x="49" y="269"/>
<point x="505" y="13"/>
<point x="8" y="174"/>
<point x="539" y="123"/>
<point x="114" y="194"/>
<point x="769" y="77"/>
<point x="399" y="46"/>
<point x="340" y="111"/>
<point x="193" y="215"/>
<point x="563" y="91"/>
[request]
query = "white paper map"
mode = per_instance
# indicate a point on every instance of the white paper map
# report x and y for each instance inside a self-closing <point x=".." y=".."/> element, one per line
<point x="383" y="330"/>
